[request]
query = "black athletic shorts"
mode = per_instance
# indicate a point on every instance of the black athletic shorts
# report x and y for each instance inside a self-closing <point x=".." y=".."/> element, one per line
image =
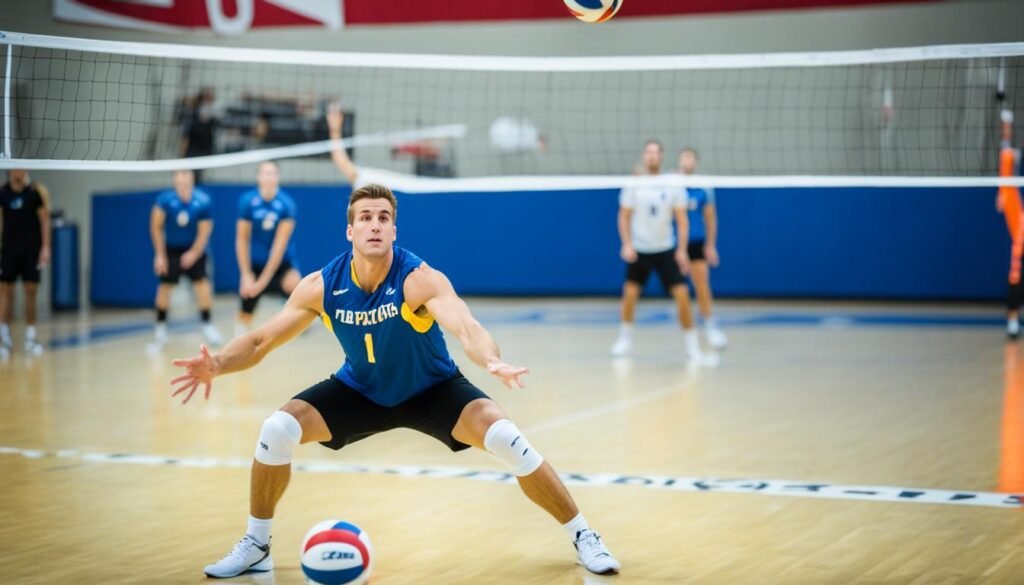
<point x="352" y="417"/>
<point x="664" y="263"/>
<point x="195" y="273"/>
<point x="23" y="264"/>
<point x="695" y="250"/>
<point x="249" y="305"/>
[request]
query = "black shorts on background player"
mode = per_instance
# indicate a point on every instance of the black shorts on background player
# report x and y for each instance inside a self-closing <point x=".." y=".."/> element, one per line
<point x="695" y="250"/>
<point x="195" y="273"/>
<point x="664" y="263"/>
<point x="274" y="286"/>
<point x="23" y="264"/>
<point x="351" y="417"/>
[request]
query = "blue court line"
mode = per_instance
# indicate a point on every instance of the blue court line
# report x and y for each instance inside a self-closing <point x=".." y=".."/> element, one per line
<point x="100" y="333"/>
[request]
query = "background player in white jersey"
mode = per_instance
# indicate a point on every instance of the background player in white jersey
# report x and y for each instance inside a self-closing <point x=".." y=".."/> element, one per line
<point x="649" y="243"/>
<point x="702" y="214"/>
<point x="384" y="305"/>
<point x="180" y="226"/>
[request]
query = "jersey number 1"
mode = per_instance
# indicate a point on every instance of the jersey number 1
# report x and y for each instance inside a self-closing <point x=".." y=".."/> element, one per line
<point x="369" y="349"/>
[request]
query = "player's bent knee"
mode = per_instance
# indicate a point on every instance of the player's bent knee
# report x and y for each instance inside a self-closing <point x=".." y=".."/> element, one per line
<point x="279" y="436"/>
<point x="506" y="442"/>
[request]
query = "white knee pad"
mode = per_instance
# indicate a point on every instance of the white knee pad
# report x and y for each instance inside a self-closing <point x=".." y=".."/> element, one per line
<point x="278" y="438"/>
<point x="507" y="443"/>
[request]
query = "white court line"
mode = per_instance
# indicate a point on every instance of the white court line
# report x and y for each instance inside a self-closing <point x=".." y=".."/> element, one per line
<point x="768" y="487"/>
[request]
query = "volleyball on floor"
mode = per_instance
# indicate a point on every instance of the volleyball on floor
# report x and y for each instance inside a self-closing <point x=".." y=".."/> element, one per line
<point x="336" y="552"/>
<point x="593" y="10"/>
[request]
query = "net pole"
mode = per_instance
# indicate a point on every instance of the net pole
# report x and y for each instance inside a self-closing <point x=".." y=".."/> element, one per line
<point x="7" y="101"/>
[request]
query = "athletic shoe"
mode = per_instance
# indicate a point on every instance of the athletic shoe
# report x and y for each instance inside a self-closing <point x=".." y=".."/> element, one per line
<point x="716" y="339"/>
<point x="696" y="357"/>
<point x="212" y="336"/>
<point x="247" y="556"/>
<point x="33" y="348"/>
<point x="593" y="554"/>
<point x="623" y="346"/>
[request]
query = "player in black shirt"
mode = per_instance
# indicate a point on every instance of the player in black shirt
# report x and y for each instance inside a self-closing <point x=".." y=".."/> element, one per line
<point x="24" y="250"/>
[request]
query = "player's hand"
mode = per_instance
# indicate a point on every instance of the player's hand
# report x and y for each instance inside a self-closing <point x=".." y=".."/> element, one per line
<point x="257" y="287"/>
<point x="160" y="265"/>
<point x="335" y="118"/>
<point x="245" y="284"/>
<point x="510" y="376"/>
<point x="188" y="259"/>
<point x="628" y="254"/>
<point x="44" y="257"/>
<point x="711" y="254"/>
<point x="683" y="260"/>
<point x="199" y="370"/>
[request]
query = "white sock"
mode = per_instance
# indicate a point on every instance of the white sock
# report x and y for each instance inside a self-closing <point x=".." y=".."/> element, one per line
<point x="626" y="330"/>
<point x="710" y="323"/>
<point x="259" y="529"/>
<point x="692" y="342"/>
<point x="160" y="330"/>
<point x="5" y="334"/>
<point x="575" y="526"/>
<point x="30" y="333"/>
<point x="1013" y="325"/>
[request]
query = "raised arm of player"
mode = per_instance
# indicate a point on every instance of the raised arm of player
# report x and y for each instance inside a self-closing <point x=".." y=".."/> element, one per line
<point x="245" y="351"/>
<point x="430" y="290"/>
<point x="335" y="117"/>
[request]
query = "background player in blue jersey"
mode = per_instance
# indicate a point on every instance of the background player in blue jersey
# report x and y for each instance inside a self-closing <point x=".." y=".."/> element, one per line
<point x="384" y="305"/>
<point x="703" y="216"/>
<point x="24" y="251"/>
<point x="180" y="226"/>
<point x="263" y="242"/>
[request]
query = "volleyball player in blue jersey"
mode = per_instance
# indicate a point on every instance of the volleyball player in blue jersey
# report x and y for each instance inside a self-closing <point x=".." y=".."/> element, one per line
<point x="702" y="250"/>
<point x="384" y="305"/>
<point x="263" y="243"/>
<point x="180" y="226"/>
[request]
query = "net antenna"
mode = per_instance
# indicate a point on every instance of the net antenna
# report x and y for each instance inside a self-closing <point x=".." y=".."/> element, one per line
<point x="910" y="116"/>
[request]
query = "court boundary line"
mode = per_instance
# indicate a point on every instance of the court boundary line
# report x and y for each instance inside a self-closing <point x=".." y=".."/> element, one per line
<point x="767" y="487"/>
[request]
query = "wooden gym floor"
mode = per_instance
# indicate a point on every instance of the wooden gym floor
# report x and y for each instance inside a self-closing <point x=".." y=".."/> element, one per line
<point x="834" y="444"/>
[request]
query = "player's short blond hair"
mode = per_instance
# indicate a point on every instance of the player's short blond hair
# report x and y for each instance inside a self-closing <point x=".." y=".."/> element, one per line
<point x="372" y="191"/>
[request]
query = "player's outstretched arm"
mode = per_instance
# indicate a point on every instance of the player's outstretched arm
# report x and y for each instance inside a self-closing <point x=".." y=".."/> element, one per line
<point x="243" y="352"/>
<point x="431" y="289"/>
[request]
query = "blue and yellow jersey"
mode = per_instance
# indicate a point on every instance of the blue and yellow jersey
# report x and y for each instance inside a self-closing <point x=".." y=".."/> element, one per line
<point x="182" y="219"/>
<point x="391" y="353"/>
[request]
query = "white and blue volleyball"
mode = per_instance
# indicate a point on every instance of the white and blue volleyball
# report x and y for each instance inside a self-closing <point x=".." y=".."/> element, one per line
<point x="593" y="10"/>
<point x="336" y="552"/>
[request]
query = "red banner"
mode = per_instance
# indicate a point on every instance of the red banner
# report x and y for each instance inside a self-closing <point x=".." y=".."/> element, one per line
<point x="239" y="16"/>
<point x="414" y="11"/>
<point x="221" y="16"/>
